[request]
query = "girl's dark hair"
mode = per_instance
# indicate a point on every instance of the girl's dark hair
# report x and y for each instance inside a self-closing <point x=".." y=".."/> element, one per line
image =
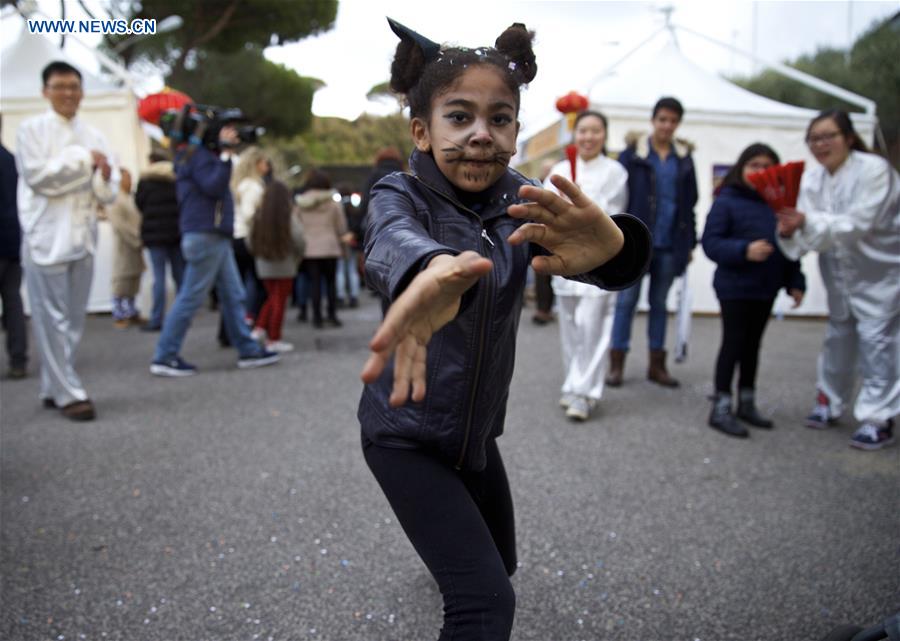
<point x="735" y="175"/>
<point x="420" y="80"/>
<point x="270" y="236"/>
<point x="596" y="114"/>
<point x="317" y="179"/>
<point x="843" y="122"/>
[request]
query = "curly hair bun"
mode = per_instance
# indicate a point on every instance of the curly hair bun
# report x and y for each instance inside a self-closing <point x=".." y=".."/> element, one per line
<point x="515" y="44"/>
<point x="407" y="67"/>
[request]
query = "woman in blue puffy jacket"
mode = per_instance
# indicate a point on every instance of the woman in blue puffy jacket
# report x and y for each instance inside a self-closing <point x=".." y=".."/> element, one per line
<point x="740" y="238"/>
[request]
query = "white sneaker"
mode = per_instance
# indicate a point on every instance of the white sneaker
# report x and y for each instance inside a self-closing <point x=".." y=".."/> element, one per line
<point x="258" y="334"/>
<point x="581" y="408"/>
<point x="566" y="400"/>
<point x="279" y="346"/>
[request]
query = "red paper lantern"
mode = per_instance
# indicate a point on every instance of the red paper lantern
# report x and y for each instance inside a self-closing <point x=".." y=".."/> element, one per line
<point x="570" y="105"/>
<point x="152" y="107"/>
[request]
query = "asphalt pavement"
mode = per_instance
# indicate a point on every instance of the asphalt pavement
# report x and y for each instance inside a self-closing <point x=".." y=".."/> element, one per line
<point x="236" y="505"/>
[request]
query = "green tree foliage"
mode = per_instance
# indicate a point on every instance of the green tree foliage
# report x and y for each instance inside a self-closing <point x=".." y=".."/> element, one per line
<point x="227" y="26"/>
<point x="869" y="69"/>
<point x="270" y="94"/>
<point x="335" y="141"/>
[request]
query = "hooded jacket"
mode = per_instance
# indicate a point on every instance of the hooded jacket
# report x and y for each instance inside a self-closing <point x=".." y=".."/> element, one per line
<point x="738" y="217"/>
<point x="156" y="199"/>
<point x="415" y="217"/>
<point x="642" y="192"/>
<point x="323" y="223"/>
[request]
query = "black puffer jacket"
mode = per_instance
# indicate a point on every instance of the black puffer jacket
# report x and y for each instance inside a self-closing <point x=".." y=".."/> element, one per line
<point x="156" y="200"/>
<point x="470" y="360"/>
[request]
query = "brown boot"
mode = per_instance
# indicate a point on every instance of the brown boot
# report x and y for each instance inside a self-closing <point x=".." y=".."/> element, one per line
<point x="616" y="367"/>
<point x="657" y="371"/>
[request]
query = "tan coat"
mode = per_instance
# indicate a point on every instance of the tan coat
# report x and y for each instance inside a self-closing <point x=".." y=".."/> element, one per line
<point x="128" y="262"/>
<point x="323" y="223"/>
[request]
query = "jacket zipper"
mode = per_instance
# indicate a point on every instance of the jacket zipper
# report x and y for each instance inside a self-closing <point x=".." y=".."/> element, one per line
<point x="482" y="323"/>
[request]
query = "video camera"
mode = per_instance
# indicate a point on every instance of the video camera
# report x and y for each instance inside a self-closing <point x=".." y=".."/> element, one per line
<point x="200" y="125"/>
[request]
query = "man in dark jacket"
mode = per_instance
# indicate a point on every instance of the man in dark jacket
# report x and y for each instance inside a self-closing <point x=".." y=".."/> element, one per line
<point x="662" y="192"/>
<point x="11" y="268"/>
<point x="207" y="225"/>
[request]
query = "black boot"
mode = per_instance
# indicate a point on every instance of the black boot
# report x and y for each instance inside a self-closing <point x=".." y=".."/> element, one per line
<point x="723" y="420"/>
<point x="747" y="410"/>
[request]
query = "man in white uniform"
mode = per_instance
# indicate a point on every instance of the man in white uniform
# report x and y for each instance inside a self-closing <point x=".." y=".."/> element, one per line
<point x="64" y="175"/>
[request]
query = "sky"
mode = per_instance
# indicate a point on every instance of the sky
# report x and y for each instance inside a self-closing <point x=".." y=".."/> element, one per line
<point x="575" y="41"/>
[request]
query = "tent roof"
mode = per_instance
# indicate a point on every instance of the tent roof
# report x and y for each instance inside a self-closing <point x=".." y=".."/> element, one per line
<point x="22" y="61"/>
<point x="640" y="80"/>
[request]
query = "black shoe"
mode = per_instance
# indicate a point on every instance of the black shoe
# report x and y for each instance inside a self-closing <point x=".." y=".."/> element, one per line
<point x="748" y="413"/>
<point x="334" y="322"/>
<point x="722" y="419"/>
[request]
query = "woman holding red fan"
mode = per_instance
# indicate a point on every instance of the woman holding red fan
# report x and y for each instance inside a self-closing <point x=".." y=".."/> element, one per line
<point x="740" y="238"/>
<point x="849" y="212"/>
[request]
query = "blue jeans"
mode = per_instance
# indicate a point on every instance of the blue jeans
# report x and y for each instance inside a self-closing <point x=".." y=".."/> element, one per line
<point x="210" y="261"/>
<point x="662" y="273"/>
<point x="159" y="256"/>
<point x="347" y="275"/>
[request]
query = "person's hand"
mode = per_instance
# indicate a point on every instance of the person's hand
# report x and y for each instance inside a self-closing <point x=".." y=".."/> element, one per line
<point x="100" y="162"/>
<point x="759" y="250"/>
<point x="349" y="239"/>
<point x="574" y="229"/>
<point x="228" y="137"/>
<point x="430" y="301"/>
<point x="789" y="221"/>
<point x="797" y="295"/>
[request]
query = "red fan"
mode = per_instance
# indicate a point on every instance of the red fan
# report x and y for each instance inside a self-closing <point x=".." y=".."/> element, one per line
<point x="779" y="185"/>
<point x="572" y="155"/>
<point x="151" y="107"/>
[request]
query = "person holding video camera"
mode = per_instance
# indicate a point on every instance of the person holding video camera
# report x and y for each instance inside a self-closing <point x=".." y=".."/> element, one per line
<point x="207" y="224"/>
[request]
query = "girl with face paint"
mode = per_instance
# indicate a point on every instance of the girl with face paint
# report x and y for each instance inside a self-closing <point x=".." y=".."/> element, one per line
<point x="448" y="246"/>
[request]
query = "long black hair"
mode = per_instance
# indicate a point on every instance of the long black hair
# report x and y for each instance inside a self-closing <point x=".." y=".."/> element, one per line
<point x="735" y="175"/>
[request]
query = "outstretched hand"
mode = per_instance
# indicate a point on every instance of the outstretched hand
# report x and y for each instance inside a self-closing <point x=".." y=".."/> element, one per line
<point x="430" y="301"/>
<point x="577" y="233"/>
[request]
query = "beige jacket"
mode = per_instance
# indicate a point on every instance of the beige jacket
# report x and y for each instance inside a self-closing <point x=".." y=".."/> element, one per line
<point x="323" y="223"/>
<point x="128" y="262"/>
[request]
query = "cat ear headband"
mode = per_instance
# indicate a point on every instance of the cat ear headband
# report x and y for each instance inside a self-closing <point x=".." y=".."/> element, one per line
<point x="431" y="50"/>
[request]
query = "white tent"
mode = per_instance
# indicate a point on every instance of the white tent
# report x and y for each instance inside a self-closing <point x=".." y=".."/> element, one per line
<point x="111" y="109"/>
<point x="721" y="119"/>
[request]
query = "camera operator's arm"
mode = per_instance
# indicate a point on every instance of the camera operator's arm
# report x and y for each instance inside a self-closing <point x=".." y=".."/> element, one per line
<point x="211" y="174"/>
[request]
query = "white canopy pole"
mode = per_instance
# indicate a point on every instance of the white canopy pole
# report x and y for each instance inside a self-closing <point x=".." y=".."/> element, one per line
<point x="795" y="74"/>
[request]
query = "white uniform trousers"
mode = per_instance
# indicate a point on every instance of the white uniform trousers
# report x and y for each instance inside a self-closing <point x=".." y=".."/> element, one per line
<point x="872" y="348"/>
<point x="585" y="330"/>
<point x="58" y="295"/>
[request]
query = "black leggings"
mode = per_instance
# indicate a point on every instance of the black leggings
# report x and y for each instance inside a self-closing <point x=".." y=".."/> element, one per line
<point x="317" y="269"/>
<point x="743" y="324"/>
<point x="461" y="524"/>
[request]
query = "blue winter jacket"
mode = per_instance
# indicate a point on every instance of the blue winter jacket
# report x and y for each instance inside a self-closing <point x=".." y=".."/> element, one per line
<point x="642" y="194"/>
<point x="739" y="216"/>
<point x="414" y="217"/>
<point x="202" y="181"/>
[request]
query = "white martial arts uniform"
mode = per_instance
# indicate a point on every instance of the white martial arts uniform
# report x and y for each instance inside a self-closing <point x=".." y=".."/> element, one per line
<point x="853" y="221"/>
<point x="59" y="193"/>
<point x="586" y="312"/>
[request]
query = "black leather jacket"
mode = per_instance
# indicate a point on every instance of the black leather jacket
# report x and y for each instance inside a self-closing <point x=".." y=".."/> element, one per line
<point x="414" y="217"/>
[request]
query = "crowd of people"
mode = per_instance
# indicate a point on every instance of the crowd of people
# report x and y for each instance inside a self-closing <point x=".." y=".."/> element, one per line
<point x="448" y="245"/>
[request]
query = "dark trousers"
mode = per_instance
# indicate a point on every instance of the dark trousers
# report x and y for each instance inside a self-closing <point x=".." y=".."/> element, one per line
<point x="317" y="269"/>
<point x="543" y="292"/>
<point x="461" y="524"/>
<point x="743" y="324"/>
<point x="13" y="312"/>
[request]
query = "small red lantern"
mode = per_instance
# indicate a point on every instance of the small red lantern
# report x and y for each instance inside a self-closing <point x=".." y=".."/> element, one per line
<point x="151" y="107"/>
<point x="570" y="105"/>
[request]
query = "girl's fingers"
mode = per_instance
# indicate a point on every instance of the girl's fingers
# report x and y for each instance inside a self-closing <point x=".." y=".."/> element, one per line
<point x="418" y="374"/>
<point x="571" y="190"/>
<point x="403" y="368"/>
<point x="532" y="211"/>
<point x="552" y="264"/>
<point x="373" y="367"/>
<point x="529" y="232"/>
